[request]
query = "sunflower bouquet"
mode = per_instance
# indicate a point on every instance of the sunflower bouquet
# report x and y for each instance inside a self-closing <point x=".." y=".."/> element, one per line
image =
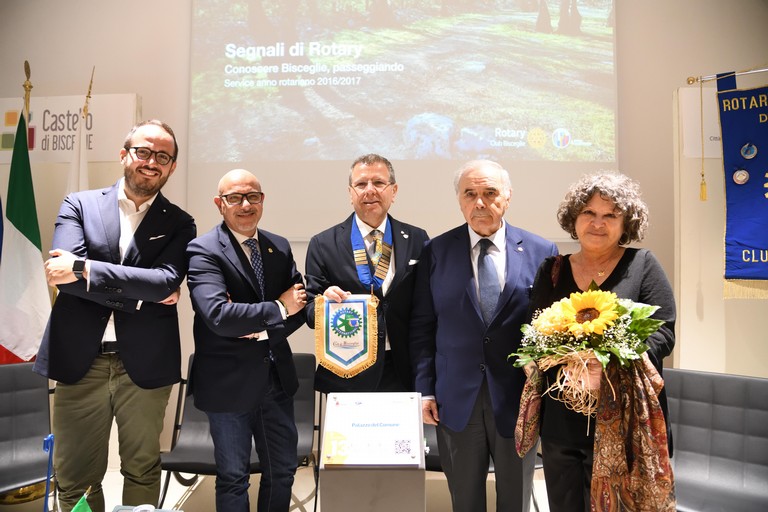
<point x="582" y="333"/>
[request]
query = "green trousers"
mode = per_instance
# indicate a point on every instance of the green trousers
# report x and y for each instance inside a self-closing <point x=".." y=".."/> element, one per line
<point x="82" y="420"/>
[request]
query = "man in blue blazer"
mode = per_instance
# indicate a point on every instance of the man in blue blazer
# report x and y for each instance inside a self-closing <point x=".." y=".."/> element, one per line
<point x="112" y="341"/>
<point x="248" y="298"/>
<point x="332" y="271"/>
<point x="471" y="297"/>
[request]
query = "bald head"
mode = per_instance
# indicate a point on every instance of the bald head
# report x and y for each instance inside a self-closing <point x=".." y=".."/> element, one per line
<point x="241" y="217"/>
<point x="238" y="177"/>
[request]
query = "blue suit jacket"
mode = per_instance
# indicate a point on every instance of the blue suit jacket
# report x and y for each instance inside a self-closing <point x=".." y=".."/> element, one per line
<point x="153" y="267"/>
<point x="229" y="373"/>
<point x="451" y="347"/>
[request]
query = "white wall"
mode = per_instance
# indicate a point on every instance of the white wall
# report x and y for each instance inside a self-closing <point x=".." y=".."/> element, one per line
<point x="143" y="47"/>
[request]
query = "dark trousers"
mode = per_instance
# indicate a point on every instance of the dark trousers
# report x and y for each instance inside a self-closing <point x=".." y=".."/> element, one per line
<point x="272" y="428"/>
<point x="568" y="474"/>
<point x="466" y="455"/>
<point x="390" y="382"/>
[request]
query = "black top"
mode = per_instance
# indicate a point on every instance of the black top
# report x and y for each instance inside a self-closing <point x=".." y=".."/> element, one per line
<point x="639" y="277"/>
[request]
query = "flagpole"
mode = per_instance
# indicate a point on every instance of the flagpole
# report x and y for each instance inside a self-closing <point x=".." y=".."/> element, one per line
<point x="27" y="89"/>
<point x="88" y="96"/>
<point x="693" y="79"/>
<point x="78" y="174"/>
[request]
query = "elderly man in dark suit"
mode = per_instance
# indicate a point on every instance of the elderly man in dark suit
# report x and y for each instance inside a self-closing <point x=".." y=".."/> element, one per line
<point x="112" y="341"/>
<point x="471" y="297"/>
<point x="248" y="298"/>
<point x="332" y="271"/>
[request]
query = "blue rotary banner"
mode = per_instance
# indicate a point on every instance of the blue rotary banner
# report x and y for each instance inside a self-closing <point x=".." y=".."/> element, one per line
<point x="744" y="125"/>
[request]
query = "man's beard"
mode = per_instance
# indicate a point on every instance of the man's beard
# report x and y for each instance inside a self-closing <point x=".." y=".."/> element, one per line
<point x="142" y="189"/>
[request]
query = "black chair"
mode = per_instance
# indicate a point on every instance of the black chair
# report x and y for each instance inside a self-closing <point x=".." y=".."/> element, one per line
<point x="192" y="448"/>
<point x="24" y="424"/>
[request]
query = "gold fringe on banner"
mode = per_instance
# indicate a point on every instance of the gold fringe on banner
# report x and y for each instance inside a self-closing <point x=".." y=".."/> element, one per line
<point x="321" y="326"/>
<point x="745" y="289"/>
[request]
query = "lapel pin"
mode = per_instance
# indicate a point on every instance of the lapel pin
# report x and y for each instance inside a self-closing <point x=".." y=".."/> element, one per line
<point x="405" y="235"/>
<point x="749" y="151"/>
<point x="519" y="249"/>
<point x="740" y="177"/>
<point x="269" y="250"/>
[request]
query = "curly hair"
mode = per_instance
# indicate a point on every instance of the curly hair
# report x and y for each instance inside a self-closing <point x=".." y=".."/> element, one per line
<point x="612" y="186"/>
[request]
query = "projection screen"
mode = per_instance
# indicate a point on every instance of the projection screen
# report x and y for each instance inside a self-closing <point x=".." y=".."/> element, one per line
<point x="295" y="90"/>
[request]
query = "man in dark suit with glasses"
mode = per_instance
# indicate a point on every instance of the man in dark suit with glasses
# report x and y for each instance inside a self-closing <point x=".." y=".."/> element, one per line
<point x="248" y="298"/>
<point x="332" y="270"/>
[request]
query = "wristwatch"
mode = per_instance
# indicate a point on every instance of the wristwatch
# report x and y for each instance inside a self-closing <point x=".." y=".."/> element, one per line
<point x="78" y="266"/>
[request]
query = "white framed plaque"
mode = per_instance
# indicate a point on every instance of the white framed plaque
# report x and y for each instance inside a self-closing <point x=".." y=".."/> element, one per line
<point x="374" y="430"/>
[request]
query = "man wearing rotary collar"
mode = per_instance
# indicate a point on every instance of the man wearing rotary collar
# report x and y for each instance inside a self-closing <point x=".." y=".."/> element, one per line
<point x="369" y="253"/>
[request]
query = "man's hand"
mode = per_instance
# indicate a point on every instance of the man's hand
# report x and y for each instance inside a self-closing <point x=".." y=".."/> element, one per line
<point x="336" y="294"/>
<point x="58" y="269"/>
<point x="172" y="298"/>
<point x="294" y="298"/>
<point x="429" y="412"/>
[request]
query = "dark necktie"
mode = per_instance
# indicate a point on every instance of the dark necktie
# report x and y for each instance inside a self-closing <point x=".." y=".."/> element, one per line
<point x="377" y="247"/>
<point x="256" y="263"/>
<point x="488" y="280"/>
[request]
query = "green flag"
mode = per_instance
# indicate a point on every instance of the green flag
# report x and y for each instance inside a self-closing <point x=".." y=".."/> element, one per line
<point x="25" y="302"/>
<point x="82" y="505"/>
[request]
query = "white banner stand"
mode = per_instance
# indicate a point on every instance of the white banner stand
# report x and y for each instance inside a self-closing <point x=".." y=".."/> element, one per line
<point x="372" y="454"/>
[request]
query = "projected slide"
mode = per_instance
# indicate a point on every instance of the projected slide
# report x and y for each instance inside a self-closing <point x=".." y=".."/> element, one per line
<point x="411" y="79"/>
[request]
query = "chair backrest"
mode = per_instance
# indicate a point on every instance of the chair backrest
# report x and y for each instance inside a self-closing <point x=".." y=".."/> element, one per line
<point x="192" y="451"/>
<point x="432" y="457"/>
<point x="24" y="424"/>
<point x="719" y="425"/>
<point x="304" y="404"/>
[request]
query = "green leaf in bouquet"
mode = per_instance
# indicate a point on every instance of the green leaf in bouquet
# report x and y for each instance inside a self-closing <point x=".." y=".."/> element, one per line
<point x="602" y="356"/>
<point x="641" y="310"/>
<point x="644" y="327"/>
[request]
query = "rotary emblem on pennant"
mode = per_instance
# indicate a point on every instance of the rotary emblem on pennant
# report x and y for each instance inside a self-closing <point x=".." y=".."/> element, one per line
<point x="346" y="334"/>
<point x="346" y="322"/>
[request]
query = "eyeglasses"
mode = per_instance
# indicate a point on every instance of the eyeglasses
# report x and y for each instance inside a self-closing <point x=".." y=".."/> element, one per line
<point x="237" y="199"/>
<point x="378" y="185"/>
<point x="161" y="157"/>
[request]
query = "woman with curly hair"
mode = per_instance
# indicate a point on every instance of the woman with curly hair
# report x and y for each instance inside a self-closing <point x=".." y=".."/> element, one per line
<point x="618" y="460"/>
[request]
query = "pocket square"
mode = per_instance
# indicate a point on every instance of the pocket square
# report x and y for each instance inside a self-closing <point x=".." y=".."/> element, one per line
<point x="156" y="237"/>
<point x="412" y="262"/>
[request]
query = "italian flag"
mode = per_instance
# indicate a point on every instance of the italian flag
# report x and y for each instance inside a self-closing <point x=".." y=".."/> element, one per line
<point x="25" y="302"/>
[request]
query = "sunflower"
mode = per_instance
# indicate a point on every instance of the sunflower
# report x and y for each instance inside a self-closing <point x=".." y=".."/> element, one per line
<point x="590" y="312"/>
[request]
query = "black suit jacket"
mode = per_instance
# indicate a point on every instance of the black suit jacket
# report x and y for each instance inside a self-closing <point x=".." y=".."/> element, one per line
<point x="229" y="373"/>
<point x="330" y="262"/>
<point x="153" y="267"/>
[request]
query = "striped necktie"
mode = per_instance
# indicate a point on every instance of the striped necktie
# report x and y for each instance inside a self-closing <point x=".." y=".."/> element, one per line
<point x="256" y="263"/>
